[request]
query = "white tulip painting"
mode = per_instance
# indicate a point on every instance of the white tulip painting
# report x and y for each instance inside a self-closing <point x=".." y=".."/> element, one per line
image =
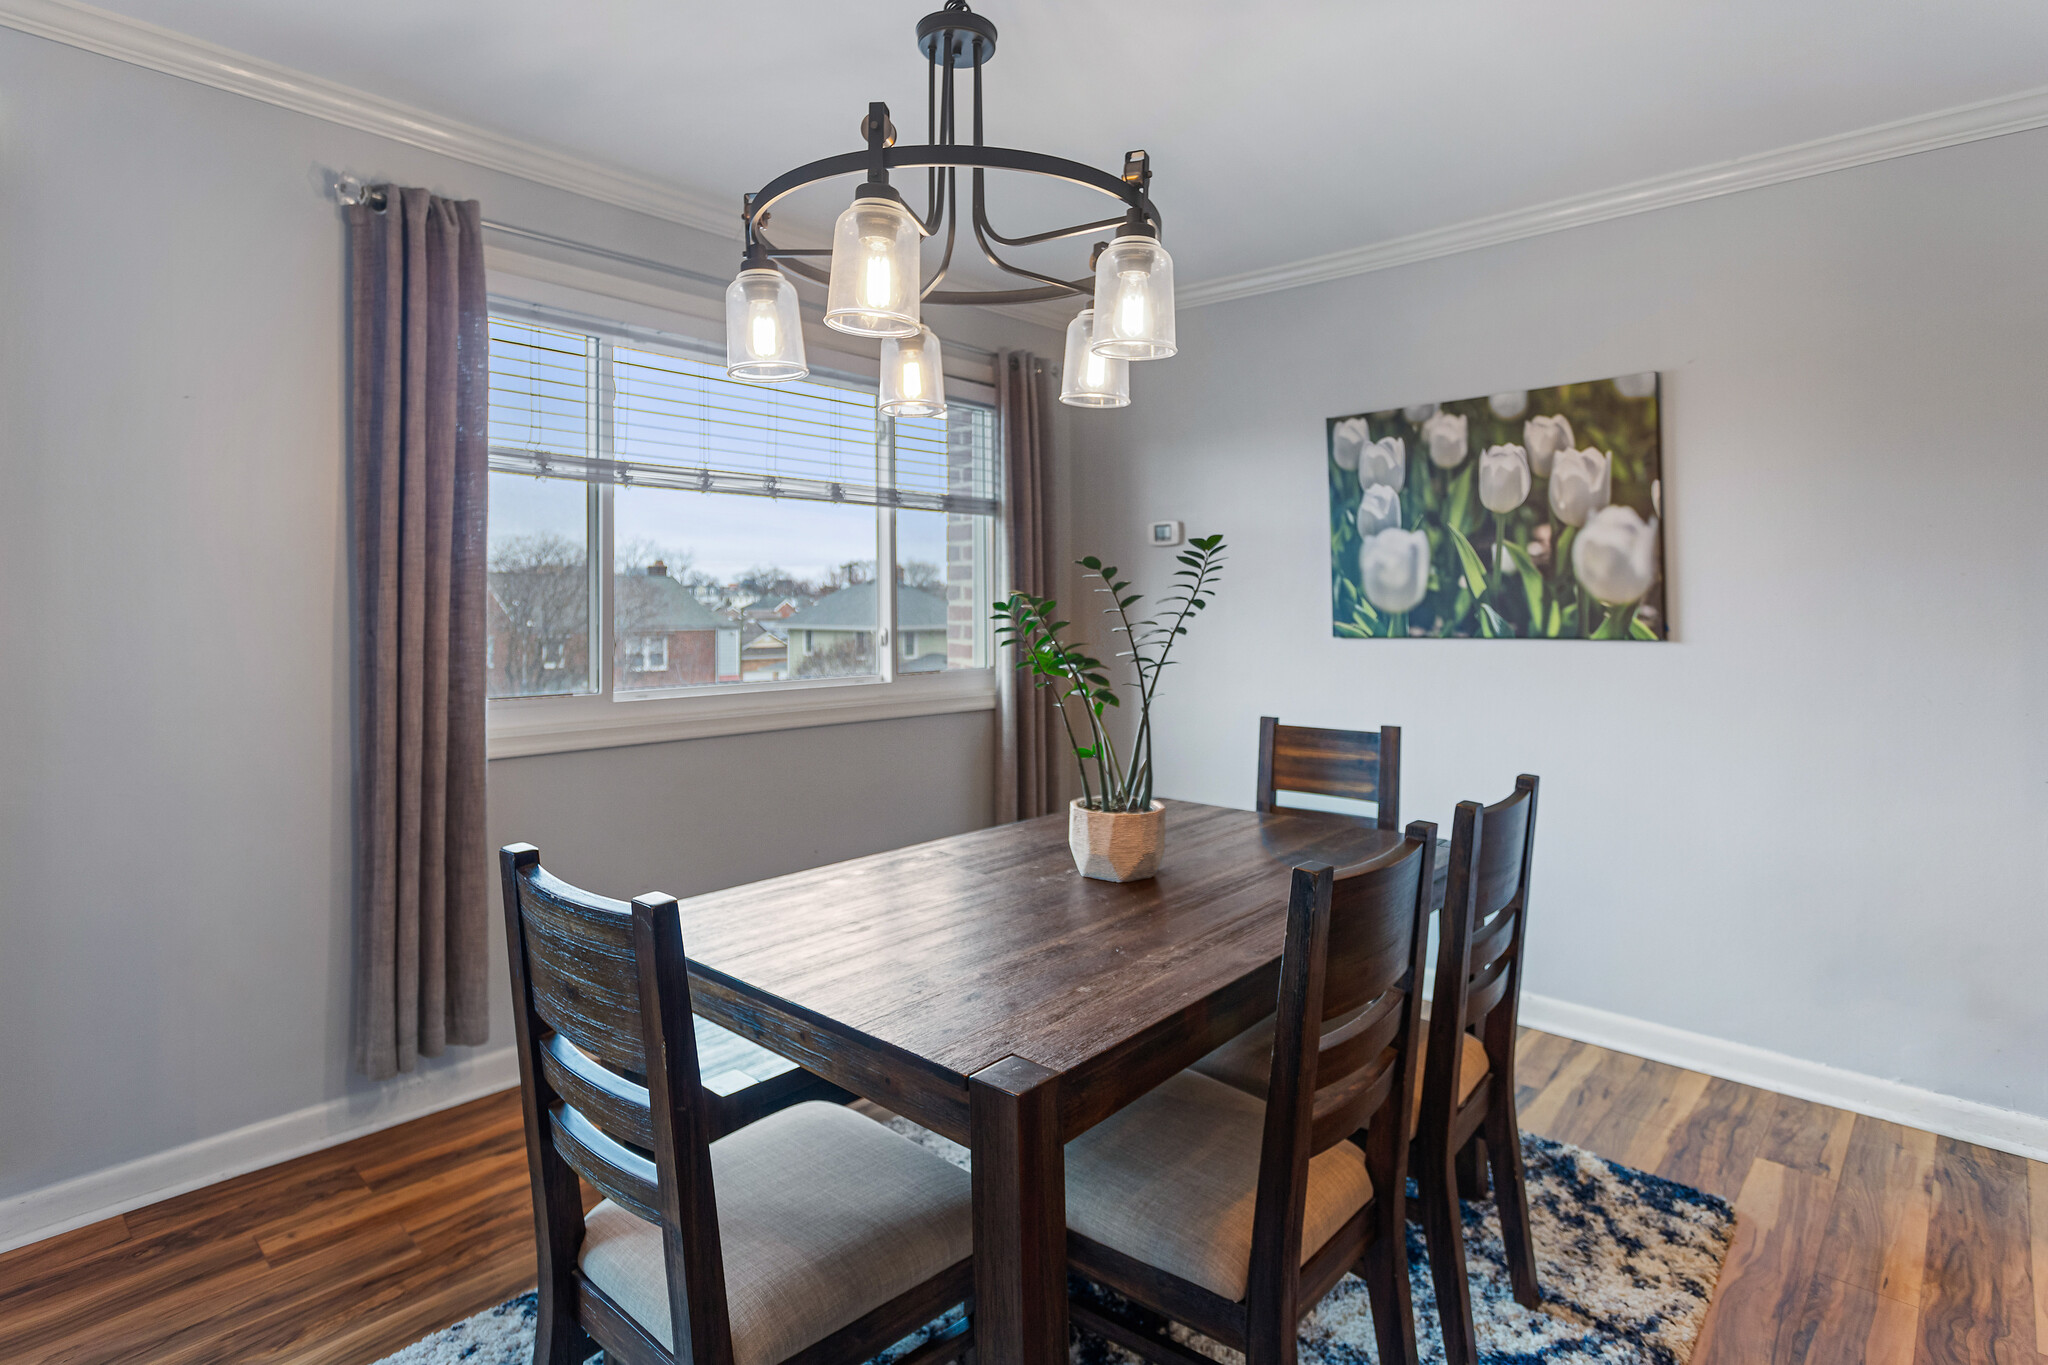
<point x="1385" y="461"/>
<point x="1503" y="478"/>
<point x="1553" y="532"/>
<point x="1445" y="433"/>
<point x="1580" y="482"/>
<point x="1394" y="566"/>
<point x="1615" y="556"/>
<point x="1346" y="442"/>
<point x="1378" y="509"/>
<point x="1543" y="437"/>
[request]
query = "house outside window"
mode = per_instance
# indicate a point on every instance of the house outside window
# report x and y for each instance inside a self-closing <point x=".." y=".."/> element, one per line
<point x="743" y="525"/>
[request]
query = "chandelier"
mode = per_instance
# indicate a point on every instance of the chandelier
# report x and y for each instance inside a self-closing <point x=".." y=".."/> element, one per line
<point x="876" y="284"/>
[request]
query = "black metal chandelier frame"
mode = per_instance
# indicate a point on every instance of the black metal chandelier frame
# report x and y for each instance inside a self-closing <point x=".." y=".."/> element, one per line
<point x="955" y="38"/>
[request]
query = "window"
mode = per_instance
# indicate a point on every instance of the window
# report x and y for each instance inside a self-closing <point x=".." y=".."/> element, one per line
<point x="647" y="654"/>
<point x="742" y="526"/>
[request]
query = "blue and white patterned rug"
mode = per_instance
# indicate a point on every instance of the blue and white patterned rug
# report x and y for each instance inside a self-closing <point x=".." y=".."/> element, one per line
<point x="1628" y="1263"/>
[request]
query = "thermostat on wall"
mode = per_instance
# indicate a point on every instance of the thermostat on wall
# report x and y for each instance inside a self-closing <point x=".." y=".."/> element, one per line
<point x="1167" y="533"/>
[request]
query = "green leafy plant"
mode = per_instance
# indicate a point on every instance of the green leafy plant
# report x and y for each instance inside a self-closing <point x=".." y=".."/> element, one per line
<point x="1110" y="780"/>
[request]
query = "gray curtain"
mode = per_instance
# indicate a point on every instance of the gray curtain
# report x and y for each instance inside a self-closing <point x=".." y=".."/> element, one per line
<point x="418" y="476"/>
<point x="1030" y="740"/>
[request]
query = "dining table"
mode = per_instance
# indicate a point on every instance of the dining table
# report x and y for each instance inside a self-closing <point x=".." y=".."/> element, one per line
<point x="981" y="987"/>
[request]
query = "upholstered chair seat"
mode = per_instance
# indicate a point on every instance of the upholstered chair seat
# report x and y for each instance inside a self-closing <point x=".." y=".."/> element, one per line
<point x="823" y="1215"/>
<point x="1246" y="1063"/>
<point x="1172" y="1180"/>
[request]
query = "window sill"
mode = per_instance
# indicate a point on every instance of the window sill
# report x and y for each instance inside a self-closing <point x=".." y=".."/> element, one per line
<point x="519" y="727"/>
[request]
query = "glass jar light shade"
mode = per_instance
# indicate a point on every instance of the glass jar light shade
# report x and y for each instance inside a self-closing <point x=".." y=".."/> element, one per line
<point x="1088" y="380"/>
<point x="874" y="286"/>
<point x="913" y="378"/>
<point x="1134" y="300"/>
<point x="764" y="336"/>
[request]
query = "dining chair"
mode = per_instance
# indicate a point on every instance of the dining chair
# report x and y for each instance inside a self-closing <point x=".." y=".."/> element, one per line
<point x="1361" y="765"/>
<point x="812" y="1236"/>
<point x="1467" y="1121"/>
<point x="1234" y="1216"/>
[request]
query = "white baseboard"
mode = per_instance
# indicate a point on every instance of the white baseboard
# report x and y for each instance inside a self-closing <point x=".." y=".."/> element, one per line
<point x="88" y="1198"/>
<point x="2007" y="1130"/>
<point x="84" y="1199"/>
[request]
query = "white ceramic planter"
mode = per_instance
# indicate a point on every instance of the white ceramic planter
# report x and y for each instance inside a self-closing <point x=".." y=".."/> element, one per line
<point x="1116" y="846"/>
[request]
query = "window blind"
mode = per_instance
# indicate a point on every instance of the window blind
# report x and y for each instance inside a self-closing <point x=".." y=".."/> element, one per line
<point x="580" y="406"/>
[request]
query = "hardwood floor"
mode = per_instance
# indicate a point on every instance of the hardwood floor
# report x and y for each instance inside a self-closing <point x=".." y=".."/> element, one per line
<point x="1858" y="1241"/>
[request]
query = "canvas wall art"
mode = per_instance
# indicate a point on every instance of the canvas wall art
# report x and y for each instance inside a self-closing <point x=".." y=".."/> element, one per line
<point x="1535" y="514"/>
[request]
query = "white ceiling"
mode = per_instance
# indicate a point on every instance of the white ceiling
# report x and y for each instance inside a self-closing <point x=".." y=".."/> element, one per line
<point x="1277" y="133"/>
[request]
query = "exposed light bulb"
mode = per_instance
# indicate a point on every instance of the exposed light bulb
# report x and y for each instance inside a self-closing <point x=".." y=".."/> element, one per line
<point x="1095" y="373"/>
<point x="1133" y="314"/>
<point x="764" y="330"/>
<point x="911" y="383"/>
<point x="877" y="279"/>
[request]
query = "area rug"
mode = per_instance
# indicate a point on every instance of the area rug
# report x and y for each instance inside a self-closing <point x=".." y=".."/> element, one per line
<point x="1628" y="1264"/>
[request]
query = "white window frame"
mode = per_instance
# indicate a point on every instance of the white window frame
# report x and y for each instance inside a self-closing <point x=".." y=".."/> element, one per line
<point x="640" y="652"/>
<point x="607" y="718"/>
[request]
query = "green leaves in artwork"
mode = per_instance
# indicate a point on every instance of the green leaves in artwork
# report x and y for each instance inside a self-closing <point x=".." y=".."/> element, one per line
<point x="1459" y="515"/>
<point x="1468" y="559"/>
<point x="1532" y="581"/>
<point x="1618" y="622"/>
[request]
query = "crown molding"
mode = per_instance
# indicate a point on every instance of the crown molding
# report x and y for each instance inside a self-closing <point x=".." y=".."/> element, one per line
<point x="161" y="49"/>
<point x="174" y="54"/>
<point x="1947" y="128"/>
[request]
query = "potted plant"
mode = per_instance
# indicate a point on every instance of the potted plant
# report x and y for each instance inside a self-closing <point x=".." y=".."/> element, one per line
<point x="1115" y="829"/>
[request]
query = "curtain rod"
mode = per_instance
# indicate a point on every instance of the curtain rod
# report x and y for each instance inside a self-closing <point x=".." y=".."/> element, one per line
<point x="349" y="191"/>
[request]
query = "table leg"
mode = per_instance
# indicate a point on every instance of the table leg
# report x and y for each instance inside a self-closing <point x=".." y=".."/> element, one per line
<point x="1020" y="1215"/>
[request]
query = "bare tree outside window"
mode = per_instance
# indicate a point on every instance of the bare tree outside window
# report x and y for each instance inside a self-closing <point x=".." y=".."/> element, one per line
<point x="540" y="615"/>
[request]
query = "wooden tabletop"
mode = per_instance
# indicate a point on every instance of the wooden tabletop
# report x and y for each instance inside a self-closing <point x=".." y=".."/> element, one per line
<point x="958" y="953"/>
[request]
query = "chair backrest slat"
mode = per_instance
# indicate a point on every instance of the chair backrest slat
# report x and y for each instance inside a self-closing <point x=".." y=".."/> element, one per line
<point x="1499" y="875"/>
<point x="1494" y="937"/>
<point x="1369" y="931"/>
<point x="617" y="1104"/>
<point x="1361" y="1040"/>
<point x="625" y="1176"/>
<point x="1342" y="1110"/>
<point x="581" y="969"/>
<point x="1487" y="988"/>
<point x="1357" y="765"/>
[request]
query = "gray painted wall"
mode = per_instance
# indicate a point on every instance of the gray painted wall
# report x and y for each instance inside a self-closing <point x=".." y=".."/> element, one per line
<point x="708" y="813"/>
<point x="1814" y="823"/>
<point x="174" y="752"/>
